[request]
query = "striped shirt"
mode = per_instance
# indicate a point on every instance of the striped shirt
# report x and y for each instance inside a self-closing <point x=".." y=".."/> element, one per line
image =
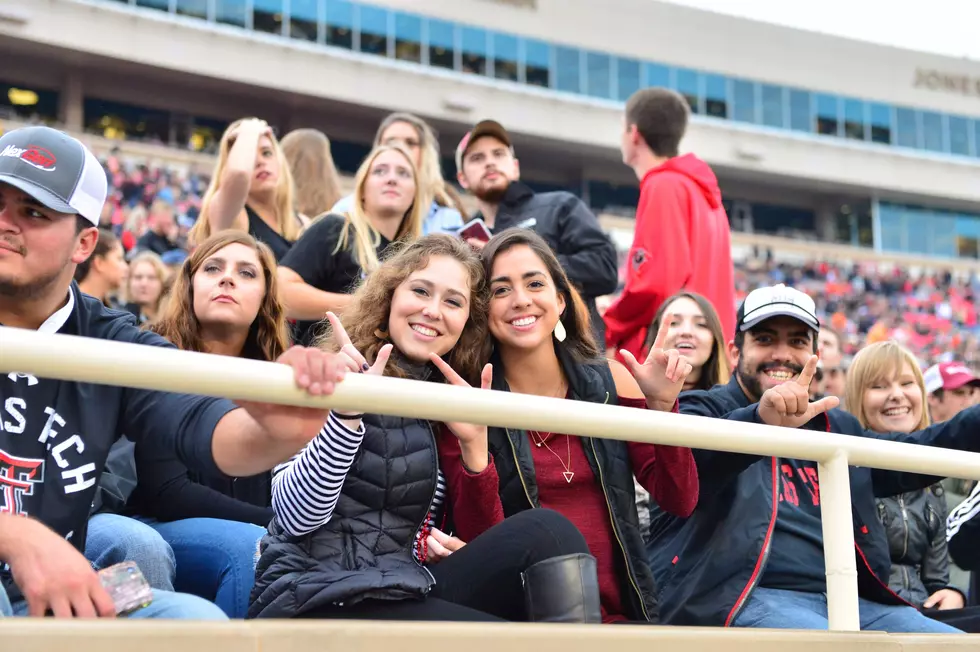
<point x="305" y="489"/>
<point x="963" y="512"/>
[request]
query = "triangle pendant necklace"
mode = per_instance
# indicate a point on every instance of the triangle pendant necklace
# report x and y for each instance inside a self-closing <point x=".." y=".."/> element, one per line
<point x="568" y="476"/>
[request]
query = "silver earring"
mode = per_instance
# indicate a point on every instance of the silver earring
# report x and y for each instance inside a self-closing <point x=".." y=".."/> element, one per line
<point x="560" y="333"/>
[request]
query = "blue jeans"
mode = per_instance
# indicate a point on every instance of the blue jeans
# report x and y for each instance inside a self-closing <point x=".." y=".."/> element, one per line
<point x="215" y="559"/>
<point x="781" y="609"/>
<point x="165" y="605"/>
<point x="113" y="539"/>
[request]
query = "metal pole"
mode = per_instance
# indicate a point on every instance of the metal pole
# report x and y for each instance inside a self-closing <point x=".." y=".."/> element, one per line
<point x="838" y="544"/>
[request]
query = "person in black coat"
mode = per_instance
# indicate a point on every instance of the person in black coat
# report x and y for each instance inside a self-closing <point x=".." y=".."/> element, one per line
<point x="487" y="167"/>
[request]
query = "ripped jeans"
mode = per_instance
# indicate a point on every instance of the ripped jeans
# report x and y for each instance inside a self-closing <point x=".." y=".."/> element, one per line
<point x="215" y="559"/>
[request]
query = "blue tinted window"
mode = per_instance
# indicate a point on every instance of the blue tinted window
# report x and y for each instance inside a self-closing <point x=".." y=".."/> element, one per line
<point x="892" y="222"/>
<point x="568" y="70"/>
<point x="854" y="120"/>
<point x="918" y="225"/>
<point x="408" y="37"/>
<point x="267" y="16"/>
<point x="195" y="8"/>
<point x="231" y="12"/>
<point x="627" y="78"/>
<point x="505" y="58"/>
<point x="828" y="115"/>
<point x="716" y="96"/>
<point x="537" y="63"/>
<point x="689" y="85"/>
<point x="959" y="135"/>
<point x="907" y="126"/>
<point x="773" y="114"/>
<point x="304" y="19"/>
<point x="800" y="111"/>
<point x="932" y="131"/>
<point x="745" y="108"/>
<point x="943" y="235"/>
<point x="474" y="47"/>
<point x="163" y="5"/>
<point x="881" y="123"/>
<point x="340" y="23"/>
<point x="657" y="75"/>
<point x="442" y="44"/>
<point x="598" y="75"/>
<point x="976" y="138"/>
<point x="374" y="30"/>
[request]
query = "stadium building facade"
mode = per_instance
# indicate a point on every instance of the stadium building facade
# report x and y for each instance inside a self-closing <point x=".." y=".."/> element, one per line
<point x="812" y="136"/>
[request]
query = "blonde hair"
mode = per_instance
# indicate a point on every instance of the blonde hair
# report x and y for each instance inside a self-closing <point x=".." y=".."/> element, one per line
<point x="875" y="363"/>
<point x="431" y="184"/>
<point x="157" y="264"/>
<point x="287" y="223"/>
<point x="358" y="230"/>
<point x="316" y="182"/>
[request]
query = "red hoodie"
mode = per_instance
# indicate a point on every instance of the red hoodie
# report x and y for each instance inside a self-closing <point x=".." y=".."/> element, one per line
<point x="682" y="241"/>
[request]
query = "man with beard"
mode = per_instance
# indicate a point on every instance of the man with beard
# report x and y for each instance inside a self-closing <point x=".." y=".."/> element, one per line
<point x="486" y="166"/>
<point x="55" y="435"/>
<point x="751" y="554"/>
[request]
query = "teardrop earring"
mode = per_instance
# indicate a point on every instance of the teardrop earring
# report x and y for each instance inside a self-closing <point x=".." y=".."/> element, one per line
<point x="560" y="333"/>
<point x="381" y="333"/>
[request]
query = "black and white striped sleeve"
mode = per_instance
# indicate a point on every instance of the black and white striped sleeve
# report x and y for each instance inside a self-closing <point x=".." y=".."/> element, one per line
<point x="305" y="489"/>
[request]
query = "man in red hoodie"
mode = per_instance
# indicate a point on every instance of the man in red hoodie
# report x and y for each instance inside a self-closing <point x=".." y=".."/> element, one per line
<point x="682" y="239"/>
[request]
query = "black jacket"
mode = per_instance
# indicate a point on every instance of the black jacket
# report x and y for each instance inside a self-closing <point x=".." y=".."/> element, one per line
<point x="709" y="563"/>
<point x="365" y="550"/>
<point x="610" y="463"/>
<point x="963" y="536"/>
<point x="915" y="522"/>
<point x="585" y="252"/>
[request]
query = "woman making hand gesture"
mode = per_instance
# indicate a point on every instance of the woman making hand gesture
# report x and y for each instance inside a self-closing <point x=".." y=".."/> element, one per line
<point x="356" y="512"/>
<point x="543" y="346"/>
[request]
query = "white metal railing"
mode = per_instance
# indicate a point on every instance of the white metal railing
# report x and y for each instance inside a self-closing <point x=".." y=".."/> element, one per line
<point x="81" y="359"/>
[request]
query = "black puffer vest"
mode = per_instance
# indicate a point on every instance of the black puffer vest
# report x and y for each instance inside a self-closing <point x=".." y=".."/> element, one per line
<point x="365" y="549"/>
<point x="610" y="463"/>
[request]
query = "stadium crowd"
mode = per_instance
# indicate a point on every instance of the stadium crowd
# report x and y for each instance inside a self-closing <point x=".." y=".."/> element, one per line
<point x="248" y="510"/>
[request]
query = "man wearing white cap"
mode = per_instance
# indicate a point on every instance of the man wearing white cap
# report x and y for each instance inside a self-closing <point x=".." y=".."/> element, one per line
<point x="55" y="435"/>
<point x="751" y="554"/>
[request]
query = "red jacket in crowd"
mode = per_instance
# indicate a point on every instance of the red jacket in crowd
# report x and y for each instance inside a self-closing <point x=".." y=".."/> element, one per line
<point x="682" y="241"/>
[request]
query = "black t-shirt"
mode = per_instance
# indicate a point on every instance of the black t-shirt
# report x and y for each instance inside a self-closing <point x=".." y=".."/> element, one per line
<point x="796" y="561"/>
<point x="55" y="435"/>
<point x="258" y="229"/>
<point x="316" y="259"/>
<point x="158" y="244"/>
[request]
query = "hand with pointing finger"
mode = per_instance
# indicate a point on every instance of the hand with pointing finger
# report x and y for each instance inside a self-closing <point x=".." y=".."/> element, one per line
<point x="661" y="376"/>
<point x="472" y="438"/>
<point x="789" y="405"/>
<point x="351" y="357"/>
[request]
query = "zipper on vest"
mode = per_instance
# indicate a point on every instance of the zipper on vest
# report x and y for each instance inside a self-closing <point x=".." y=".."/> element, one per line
<point x="425" y="518"/>
<point x="517" y="463"/>
<point x="615" y="529"/>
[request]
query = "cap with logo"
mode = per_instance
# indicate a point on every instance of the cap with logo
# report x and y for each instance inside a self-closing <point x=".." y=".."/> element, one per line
<point x="481" y="129"/>
<point x="776" y="301"/>
<point x="55" y="169"/>
<point x="949" y="376"/>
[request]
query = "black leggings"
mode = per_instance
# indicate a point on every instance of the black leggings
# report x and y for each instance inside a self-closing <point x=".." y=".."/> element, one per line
<point x="480" y="582"/>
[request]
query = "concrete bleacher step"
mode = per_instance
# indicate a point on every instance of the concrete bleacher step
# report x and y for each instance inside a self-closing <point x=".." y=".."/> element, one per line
<point x="26" y="635"/>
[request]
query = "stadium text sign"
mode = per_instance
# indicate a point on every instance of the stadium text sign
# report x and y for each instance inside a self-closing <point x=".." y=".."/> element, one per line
<point x="935" y="80"/>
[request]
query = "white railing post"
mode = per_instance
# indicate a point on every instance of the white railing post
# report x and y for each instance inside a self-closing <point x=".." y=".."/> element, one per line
<point x="838" y="544"/>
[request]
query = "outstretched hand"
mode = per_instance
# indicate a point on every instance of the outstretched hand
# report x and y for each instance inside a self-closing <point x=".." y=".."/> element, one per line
<point x="789" y="405"/>
<point x="661" y="376"/>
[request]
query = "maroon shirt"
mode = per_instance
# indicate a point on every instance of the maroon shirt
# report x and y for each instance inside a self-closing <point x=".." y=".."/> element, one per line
<point x="667" y="472"/>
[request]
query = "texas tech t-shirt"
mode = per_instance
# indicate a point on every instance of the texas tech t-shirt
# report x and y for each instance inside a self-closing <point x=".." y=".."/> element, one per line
<point x="55" y="435"/>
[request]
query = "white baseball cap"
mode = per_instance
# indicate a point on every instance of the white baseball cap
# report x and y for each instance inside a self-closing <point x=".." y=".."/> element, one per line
<point x="777" y="301"/>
